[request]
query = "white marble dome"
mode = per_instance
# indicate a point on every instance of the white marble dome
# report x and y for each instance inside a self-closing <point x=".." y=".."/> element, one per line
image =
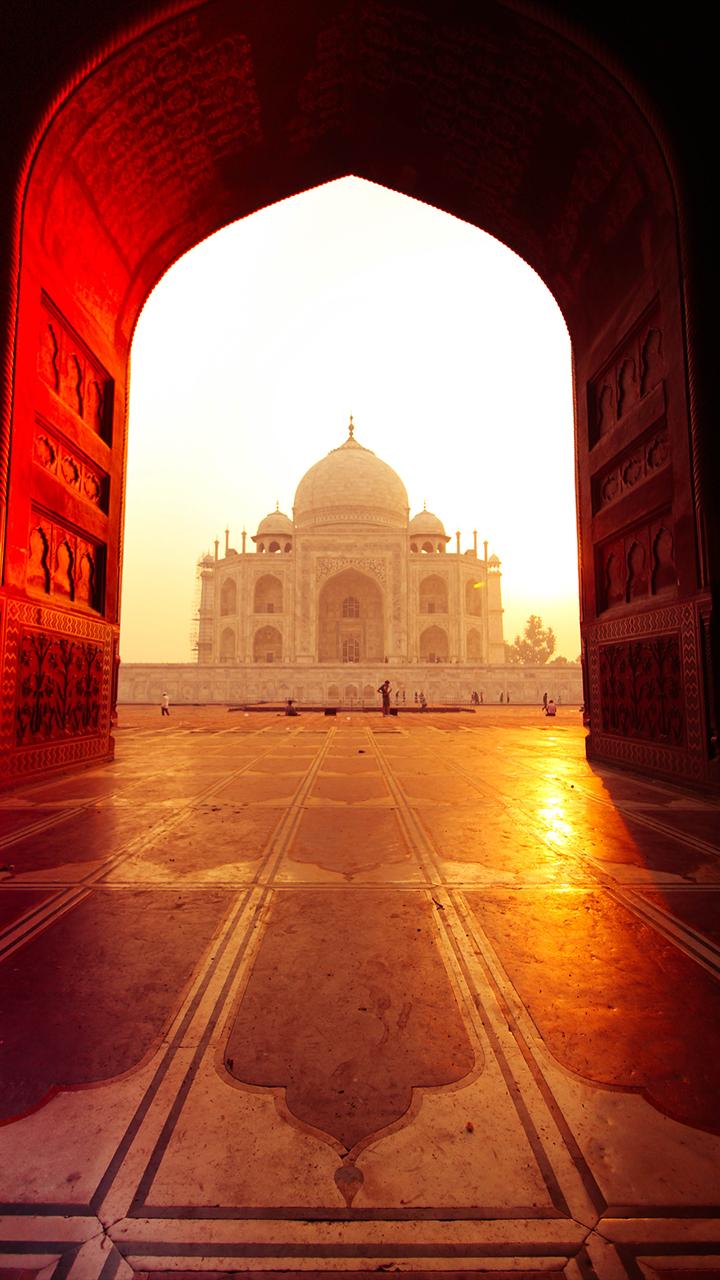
<point x="275" y="522"/>
<point x="351" y="485"/>
<point x="425" y="524"/>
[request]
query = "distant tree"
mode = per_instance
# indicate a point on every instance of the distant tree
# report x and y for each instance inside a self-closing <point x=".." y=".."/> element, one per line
<point x="533" y="648"/>
<point x="559" y="662"/>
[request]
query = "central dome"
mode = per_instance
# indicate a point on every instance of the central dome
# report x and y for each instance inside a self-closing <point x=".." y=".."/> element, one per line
<point x="350" y="486"/>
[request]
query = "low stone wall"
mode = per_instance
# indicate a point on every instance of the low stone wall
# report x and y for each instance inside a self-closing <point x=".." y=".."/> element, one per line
<point x="344" y="685"/>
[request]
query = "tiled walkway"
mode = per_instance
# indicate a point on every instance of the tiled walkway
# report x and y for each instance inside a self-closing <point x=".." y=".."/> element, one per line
<point x="426" y="994"/>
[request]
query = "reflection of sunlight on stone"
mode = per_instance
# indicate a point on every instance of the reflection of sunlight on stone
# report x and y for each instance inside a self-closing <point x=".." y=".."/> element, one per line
<point x="551" y="815"/>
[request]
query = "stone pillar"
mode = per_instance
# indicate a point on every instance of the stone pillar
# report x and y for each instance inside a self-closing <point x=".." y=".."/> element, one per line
<point x="205" y="617"/>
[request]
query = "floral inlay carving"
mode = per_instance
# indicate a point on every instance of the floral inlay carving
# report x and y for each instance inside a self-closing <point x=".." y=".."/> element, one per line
<point x="327" y="565"/>
<point x="641" y="692"/>
<point x="59" y="685"/>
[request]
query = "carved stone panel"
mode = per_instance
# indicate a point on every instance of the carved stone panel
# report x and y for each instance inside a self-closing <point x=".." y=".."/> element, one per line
<point x="67" y="464"/>
<point x="645" y="458"/>
<point x="636" y="367"/>
<point x="646" y="705"/>
<point x="637" y="564"/>
<point x="55" y="691"/>
<point x="67" y="366"/>
<point x="59" y="682"/>
<point x="327" y="565"/>
<point x="64" y="564"/>
<point x="641" y="689"/>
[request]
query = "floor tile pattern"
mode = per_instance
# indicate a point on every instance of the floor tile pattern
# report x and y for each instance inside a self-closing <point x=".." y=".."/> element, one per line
<point x="337" y="993"/>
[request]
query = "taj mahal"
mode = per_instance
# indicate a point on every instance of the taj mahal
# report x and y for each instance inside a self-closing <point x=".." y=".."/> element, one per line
<point x="348" y="592"/>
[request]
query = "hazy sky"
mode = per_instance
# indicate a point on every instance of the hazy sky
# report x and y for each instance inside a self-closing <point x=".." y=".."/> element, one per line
<point x="254" y="349"/>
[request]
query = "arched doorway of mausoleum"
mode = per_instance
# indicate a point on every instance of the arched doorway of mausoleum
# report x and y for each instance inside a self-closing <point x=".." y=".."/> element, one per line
<point x="350" y="619"/>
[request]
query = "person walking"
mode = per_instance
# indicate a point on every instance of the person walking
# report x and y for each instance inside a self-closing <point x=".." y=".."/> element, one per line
<point x="545" y="701"/>
<point x="165" y="705"/>
<point x="384" y="691"/>
<point x="422" y="700"/>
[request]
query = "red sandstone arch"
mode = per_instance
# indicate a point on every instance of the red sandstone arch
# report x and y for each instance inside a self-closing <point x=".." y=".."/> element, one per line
<point x="201" y="115"/>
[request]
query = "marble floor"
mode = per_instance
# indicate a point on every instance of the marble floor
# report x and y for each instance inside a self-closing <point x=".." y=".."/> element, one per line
<point x="426" y="994"/>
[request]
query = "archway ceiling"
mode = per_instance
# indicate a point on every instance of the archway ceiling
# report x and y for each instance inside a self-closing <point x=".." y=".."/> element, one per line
<point x="226" y="108"/>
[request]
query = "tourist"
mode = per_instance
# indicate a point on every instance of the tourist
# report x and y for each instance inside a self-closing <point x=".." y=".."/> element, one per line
<point x="423" y="701"/>
<point x="165" y="705"/>
<point x="502" y="697"/>
<point x="545" y="701"/>
<point x="550" y="709"/>
<point x="290" y="710"/>
<point x="482" y="696"/>
<point x="384" y="691"/>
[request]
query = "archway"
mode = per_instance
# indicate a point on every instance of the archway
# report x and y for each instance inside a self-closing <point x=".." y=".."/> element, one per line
<point x="433" y="645"/>
<point x="228" y="597"/>
<point x="474" y="645"/>
<point x="268" y="594"/>
<point x="227" y="645"/>
<point x="164" y="139"/>
<point x="267" y="645"/>
<point x="433" y="594"/>
<point x="473" y="598"/>
<point x="351" y="624"/>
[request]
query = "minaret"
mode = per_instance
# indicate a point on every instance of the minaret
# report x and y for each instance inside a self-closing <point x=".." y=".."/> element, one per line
<point x="205" y="612"/>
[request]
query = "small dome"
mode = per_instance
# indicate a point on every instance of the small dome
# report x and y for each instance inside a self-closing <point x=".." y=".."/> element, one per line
<point x="427" y="523"/>
<point x="276" y="522"/>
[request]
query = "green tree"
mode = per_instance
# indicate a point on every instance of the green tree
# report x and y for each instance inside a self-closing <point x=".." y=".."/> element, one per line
<point x="533" y="648"/>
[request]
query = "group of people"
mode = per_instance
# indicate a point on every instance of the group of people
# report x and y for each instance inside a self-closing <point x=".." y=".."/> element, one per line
<point x="549" y="705"/>
<point x="477" y="699"/>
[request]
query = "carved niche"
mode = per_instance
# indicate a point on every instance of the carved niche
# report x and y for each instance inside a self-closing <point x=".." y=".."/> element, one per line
<point x="67" y="366"/>
<point x="70" y="467"/>
<point x="64" y="564"/>
<point x="633" y="371"/>
<point x="59" y="686"/>
<point x="636" y="565"/>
